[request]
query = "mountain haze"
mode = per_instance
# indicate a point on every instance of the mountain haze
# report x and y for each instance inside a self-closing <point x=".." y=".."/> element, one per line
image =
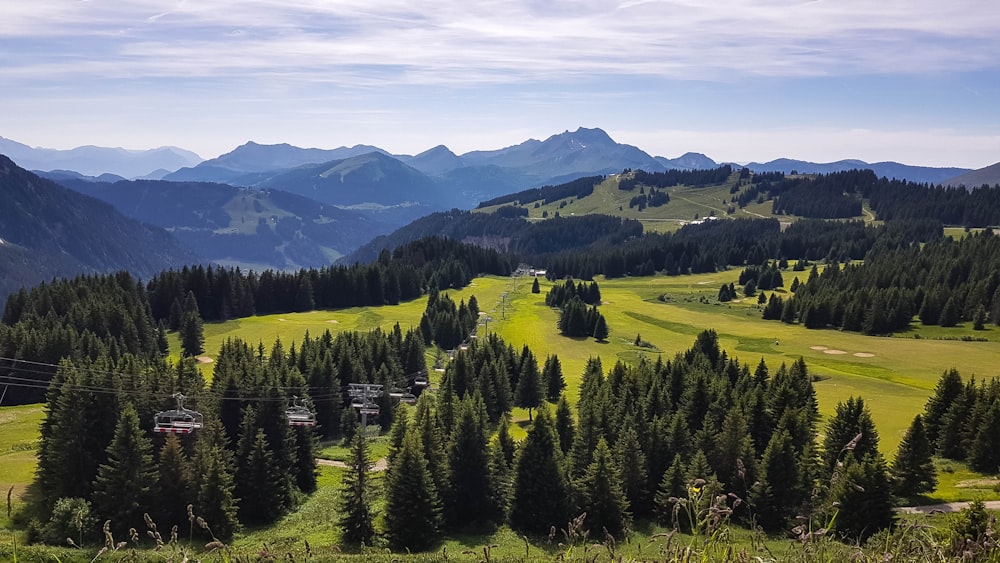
<point x="919" y="174"/>
<point x="989" y="176"/>
<point x="94" y="161"/>
<point x="48" y="231"/>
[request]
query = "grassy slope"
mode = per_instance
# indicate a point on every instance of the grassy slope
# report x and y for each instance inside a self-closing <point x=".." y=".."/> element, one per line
<point x="686" y="204"/>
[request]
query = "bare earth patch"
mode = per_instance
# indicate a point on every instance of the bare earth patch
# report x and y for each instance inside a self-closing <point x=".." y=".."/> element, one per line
<point x="978" y="483"/>
<point x="864" y="355"/>
<point x="834" y="352"/>
<point x="281" y="320"/>
<point x="818" y="348"/>
<point x="333" y="321"/>
<point x="204" y="360"/>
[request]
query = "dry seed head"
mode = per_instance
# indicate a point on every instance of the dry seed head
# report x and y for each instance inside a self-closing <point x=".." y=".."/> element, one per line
<point x="201" y="522"/>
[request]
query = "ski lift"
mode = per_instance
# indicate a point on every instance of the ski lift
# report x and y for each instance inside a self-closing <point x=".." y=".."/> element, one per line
<point x="357" y="402"/>
<point x="370" y="409"/>
<point x="395" y="392"/>
<point x="177" y="421"/>
<point x="408" y="398"/>
<point x="300" y="415"/>
<point x="420" y="380"/>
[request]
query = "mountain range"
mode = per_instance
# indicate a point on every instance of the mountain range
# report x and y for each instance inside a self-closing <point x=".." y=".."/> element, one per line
<point x="49" y="231"/>
<point x="94" y="161"/>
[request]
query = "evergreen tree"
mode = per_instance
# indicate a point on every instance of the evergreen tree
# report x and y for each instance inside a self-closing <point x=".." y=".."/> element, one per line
<point x="213" y="480"/>
<point x="913" y="470"/>
<point x="175" y="483"/>
<point x="673" y="488"/>
<point x="565" y="429"/>
<point x="192" y="334"/>
<point x="535" y="287"/>
<point x="434" y="447"/>
<point x="632" y="463"/>
<point x="528" y="393"/>
<point x="948" y="389"/>
<point x="357" y="518"/>
<point x="979" y="318"/>
<point x="540" y="495"/>
<point x="601" y="493"/>
<point x="984" y="455"/>
<point x="779" y="493"/>
<point x="861" y="496"/>
<point x="553" y="376"/>
<point x="397" y="434"/>
<point x="126" y="486"/>
<point x="470" y="498"/>
<point x="950" y="313"/>
<point x="601" y="331"/>
<point x="412" y="505"/>
<point x="851" y="430"/>
<point x="258" y="481"/>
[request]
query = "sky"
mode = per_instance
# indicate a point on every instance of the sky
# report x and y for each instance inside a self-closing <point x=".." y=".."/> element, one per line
<point x="913" y="81"/>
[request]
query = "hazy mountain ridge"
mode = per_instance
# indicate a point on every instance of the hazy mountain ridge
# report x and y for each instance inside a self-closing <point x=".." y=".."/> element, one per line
<point x="919" y="174"/>
<point x="94" y="161"/>
<point x="49" y="231"/>
<point x="989" y="176"/>
<point x="250" y="227"/>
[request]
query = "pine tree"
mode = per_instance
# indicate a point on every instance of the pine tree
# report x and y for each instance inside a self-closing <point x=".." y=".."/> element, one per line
<point x="175" y="483"/>
<point x="950" y="313"/>
<point x="632" y="461"/>
<point x="357" y="518"/>
<point x="125" y="487"/>
<point x="948" y="389"/>
<point x="258" y="481"/>
<point x="540" y="496"/>
<point x="779" y="493"/>
<point x="565" y="429"/>
<point x="396" y="435"/>
<point x="506" y="442"/>
<point x="214" y="483"/>
<point x="601" y="331"/>
<point x="673" y="488"/>
<point x="192" y="333"/>
<point x="601" y="493"/>
<point x="913" y="470"/>
<point x="528" y="393"/>
<point x="850" y="430"/>
<point x="984" y="455"/>
<point x="412" y="505"/>
<point x="553" y="376"/>
<point x="535" y="288"/>
<point x="861" y="496"/>
<point x="469" y="500"/>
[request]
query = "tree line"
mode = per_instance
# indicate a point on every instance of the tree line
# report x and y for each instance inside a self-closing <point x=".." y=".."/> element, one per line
<point x="944" y="283"/>
<point x="675" y="441"/>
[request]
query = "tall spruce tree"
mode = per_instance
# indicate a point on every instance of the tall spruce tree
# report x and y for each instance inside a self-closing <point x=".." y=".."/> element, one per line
<point x="175" y="483"/>
<point x="126" y="486"/>
<point x="631" y="460"/>
<point x="779" y="492"/>
<point x="412" y="505"/>
<point x="553" y="376"/>
<point x="601" y="495"/>
<point x="984" y="455"/>
<point x="528" y="393"/>
<point x="357" y="520"/>
<point x="850" y="430"/>
<point x="470" y="499"/>
<point x="861" y="496"/>
<point x="913" y="469"/>
<point x="541" y="492"/>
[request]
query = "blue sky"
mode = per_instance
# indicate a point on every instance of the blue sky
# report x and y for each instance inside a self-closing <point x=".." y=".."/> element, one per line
<point x="915" y="81"/>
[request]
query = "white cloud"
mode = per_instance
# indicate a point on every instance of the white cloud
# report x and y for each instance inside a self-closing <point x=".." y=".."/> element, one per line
<point x="500" y="41"/>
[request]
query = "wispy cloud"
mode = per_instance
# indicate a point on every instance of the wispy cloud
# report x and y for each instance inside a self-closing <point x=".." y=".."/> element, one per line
<point x="493" y="42"/>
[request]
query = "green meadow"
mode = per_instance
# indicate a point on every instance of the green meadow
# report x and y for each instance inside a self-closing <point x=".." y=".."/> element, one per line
<point x="895" y="375"/>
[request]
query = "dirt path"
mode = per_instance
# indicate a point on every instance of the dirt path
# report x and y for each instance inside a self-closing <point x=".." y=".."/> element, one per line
<point x="945" y="507"/>
<point x="380" y="465"/>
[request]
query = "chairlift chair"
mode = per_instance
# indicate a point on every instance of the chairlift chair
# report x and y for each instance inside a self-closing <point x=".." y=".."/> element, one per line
<point x="408" y="398"/>
<point x="370" y="409"/>
<point x="177" y="421"/>
<point x="300" y="415"/>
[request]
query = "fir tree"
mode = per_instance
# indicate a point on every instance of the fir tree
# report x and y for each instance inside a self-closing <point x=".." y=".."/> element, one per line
<point x="861" y="496"/>
<point x="984" y="455"/>
<point x="528" y="394"/>
<point x="192" y="333"/>
<point x="126" y="486"/>
<point x="565" y="429"/>
<point x="553" y="376"/>
<point x="357" y="517"/>
<point x="672" y="488"/>
<point x="540" y="495"/>
<point x="535" y="288"/>
<point x="601" y="493"/>
<point x="950" y="313"/>
<point x="469" y="500"/>
<point x="258" y="480"/>
<point x="632" y="461"/>
<point x="175" y="483"/>
<point x="779" y="493"/>
<point x="913" y="470"/>
<point x="850" y="430"/>
<point x="601" y="331"/>
<point x="412" y="505"/>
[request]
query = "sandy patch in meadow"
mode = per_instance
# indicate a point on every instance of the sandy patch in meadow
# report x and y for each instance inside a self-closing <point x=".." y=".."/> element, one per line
<point x="818" y="348"/>
<point x="834" y="352"/>
<point x="204" y="360"/>
<point x="864" y="355"/>
<point x="333" y="321"/>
